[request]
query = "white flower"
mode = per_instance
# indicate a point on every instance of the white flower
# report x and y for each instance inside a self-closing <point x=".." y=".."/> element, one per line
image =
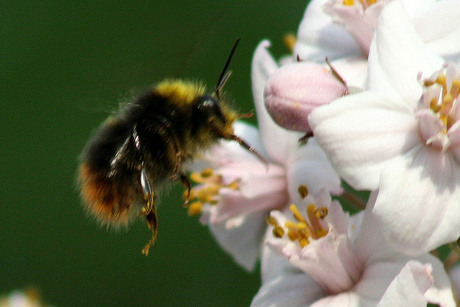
<point x="240" y="190"/>
<point x="344" y="263"/>
<point x="390" y="137"/>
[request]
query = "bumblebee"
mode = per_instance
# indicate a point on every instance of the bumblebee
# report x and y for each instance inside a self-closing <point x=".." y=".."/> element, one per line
<point x="137" y="151"/>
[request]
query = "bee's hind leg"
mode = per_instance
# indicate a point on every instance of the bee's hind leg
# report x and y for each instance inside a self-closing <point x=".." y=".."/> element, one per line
<point x="149" y="209"/>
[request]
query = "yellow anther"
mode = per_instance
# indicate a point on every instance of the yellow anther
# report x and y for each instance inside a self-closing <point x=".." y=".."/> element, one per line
<point x="271" y="221"/>
<point x="293" y="235"/>
<point x="348" y="2"/>
<point x="320" y="233"/>
<point x="205" y="176"/>
<point x="289" y="41"/>
<point x="304" y="242"/>
<point x="434" y="105"/>
<point x="195" y="208"/>
<point x="321" y="212"/>
<point x="278" y="231"/>
<point x="303" y="191"/>
<point x="204" y="196"/>
<point x="302" y="231"/>
<point x="207" y="172"/>
<point x="185" y="194"/>
<point x="196" y="177"/>
<point x="234" y="185"/>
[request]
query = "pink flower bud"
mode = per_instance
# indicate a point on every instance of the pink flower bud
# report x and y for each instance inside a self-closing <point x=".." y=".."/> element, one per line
<point x="294" y="90"/>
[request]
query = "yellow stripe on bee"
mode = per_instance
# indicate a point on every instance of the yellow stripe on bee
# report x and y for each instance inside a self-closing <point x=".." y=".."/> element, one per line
<point x="180" y="92"/>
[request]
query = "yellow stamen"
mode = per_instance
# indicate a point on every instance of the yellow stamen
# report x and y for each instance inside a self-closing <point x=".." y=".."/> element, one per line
<point x="297" y="214"/>
<point x="348" y="2"/>
<point x="208" y="191"/>
<point x="442" y="106"/>
<point x="302" y="230"/>
<point x="289" y="41"/>
<point x="314" y="221"/>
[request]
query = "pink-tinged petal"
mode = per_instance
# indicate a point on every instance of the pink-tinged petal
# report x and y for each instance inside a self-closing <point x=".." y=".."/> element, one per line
<point x="309" y="166"/>
<point x="318" y="37"/>
<point x="288" y="290"/>
<point x="408" y="287"/>
<point x="360" y="133"/>
<point x="398" y="55"/>
<point x="418" y="204"/>
<point x="272" y="263"/>
<point x="271" y="195"/>
<point x="278" y="141"/>
<point x="242" y="240"/>
<point x="415" y="286"/>
<point x="376" y="278"/>
<point x="294" y="90"/>
<point x="357" y="20"/>
<point x="439" y="27"/>
<point x="431" y="129"/>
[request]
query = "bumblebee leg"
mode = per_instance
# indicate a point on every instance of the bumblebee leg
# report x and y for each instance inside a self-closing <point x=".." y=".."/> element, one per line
<point x="185" y="181"/>
<point x="149" y="210"/>
<point x="178" y="164"/>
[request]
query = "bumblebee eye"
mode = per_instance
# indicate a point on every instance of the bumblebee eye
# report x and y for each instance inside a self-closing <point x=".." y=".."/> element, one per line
<point x="207" y="107"/>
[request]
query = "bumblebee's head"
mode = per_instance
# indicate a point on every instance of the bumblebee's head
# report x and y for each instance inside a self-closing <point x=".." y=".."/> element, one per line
<point x="209" y="114"/>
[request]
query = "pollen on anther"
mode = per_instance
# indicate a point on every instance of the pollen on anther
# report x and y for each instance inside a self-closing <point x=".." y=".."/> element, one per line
<point x="195" y="208"/>
<point x="303" y="191"/>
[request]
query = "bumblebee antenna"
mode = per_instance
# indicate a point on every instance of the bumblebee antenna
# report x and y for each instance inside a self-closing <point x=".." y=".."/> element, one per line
<point x="224" y="75"/>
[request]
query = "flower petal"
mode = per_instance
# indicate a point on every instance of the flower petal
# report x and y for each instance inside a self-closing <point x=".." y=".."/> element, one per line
<point x="288" y="290"/>
<point x="413" y="287"/>
<point x="419" y="201"/>
<point x="360" y="133"/>
<point x="439" y="27"/>
<point x="318" y="37"/>
<point x="397" y="55"/>
<point x="243" y="242"/>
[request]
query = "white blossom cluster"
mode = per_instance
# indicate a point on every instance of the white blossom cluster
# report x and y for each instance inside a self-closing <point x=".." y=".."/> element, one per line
<point x="371" y="90"/>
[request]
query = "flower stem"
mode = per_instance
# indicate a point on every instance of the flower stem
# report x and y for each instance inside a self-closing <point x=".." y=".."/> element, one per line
<point x="354" y="200"/>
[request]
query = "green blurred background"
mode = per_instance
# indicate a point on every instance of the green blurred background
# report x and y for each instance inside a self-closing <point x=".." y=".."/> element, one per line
<point x="63" y="66"/>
